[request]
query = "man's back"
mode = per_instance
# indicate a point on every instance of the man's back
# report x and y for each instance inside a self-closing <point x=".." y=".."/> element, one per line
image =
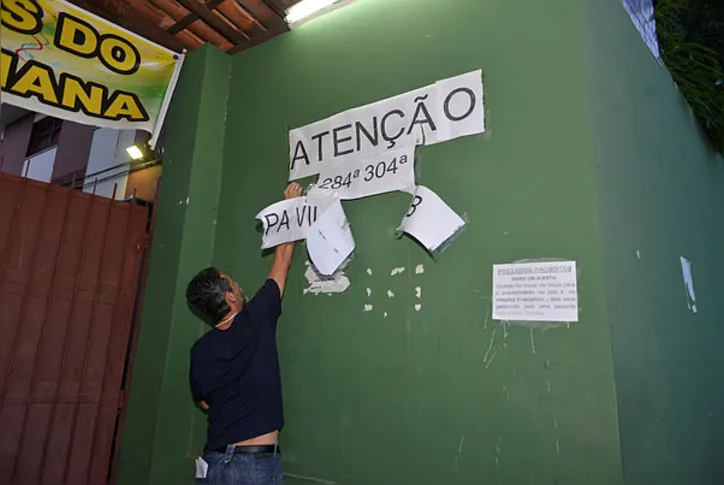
<point x="236" y="372"/>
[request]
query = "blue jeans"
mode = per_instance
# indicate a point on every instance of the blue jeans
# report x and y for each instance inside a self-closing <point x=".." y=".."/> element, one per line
<point x="243" y="468"/>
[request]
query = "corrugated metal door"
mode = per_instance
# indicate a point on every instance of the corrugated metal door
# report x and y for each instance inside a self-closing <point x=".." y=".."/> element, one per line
<point x="69" y="269"/>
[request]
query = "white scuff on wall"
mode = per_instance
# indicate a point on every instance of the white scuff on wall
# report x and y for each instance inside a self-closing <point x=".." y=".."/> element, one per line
<point x="337" y="283"/>
<point x="397" y="271"/>
<point x="420" y="269"/>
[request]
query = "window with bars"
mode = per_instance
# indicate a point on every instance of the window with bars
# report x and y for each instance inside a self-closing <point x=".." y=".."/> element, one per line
<point x="45" y="134"/>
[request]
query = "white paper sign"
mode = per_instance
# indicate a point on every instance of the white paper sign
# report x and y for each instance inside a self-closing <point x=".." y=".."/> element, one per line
<point x="462" y="105"/>
<point x="535" y="292"/>
<point x="442" y="111"/>
<point x="329" y="240"/>
<point x="289" y="220"/>
<point x="388" y="172"/>
<point x="430" y="220"/>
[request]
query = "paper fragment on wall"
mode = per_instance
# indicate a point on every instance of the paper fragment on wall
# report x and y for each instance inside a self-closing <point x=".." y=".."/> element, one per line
<point x="329" y="240"/>
<point x="337" y="283"/>
<point x="689" y="282"/>
<point x="435" y="113"/>
<point x="430" y="220"/>
<point x="388" y="172"/>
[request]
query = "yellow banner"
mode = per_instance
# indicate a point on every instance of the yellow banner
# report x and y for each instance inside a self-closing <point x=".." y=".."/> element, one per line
<point x="62" y="61"/>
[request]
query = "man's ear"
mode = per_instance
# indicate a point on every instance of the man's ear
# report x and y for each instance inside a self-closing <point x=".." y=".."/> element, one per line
<point x="230" y="298"/>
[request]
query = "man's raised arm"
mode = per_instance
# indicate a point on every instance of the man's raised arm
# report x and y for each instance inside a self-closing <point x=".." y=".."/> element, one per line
<point x="283" y="253"/>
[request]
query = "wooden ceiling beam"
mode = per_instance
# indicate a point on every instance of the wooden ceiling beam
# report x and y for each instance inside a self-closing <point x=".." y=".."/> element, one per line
<point x="182" y="24"/>
<point x="190" y="18"/>
<point x="234" y="11"/>
<point x="263" y="37"/>
<point x="261" y="12"/>
<point x="235" y="36"/>
<point x="132" y="20"/>
<point x="249" y="13"/>
<point x="276" y="8"/>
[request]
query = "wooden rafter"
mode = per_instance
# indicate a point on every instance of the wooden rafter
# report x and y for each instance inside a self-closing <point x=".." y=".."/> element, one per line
<point x="230" y="25"/>
<point x="190" y="18"/>
<point x="235" y="36"/>
<point x="132" y="20"/>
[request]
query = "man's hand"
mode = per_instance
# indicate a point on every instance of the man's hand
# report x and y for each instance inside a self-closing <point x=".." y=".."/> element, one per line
<point x="283" y="252"/>
<point x="292" y="191"/>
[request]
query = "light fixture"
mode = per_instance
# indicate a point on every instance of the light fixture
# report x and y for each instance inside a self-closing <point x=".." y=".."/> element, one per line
<point x="134" y="152"/>
<point x="306" y="8"/>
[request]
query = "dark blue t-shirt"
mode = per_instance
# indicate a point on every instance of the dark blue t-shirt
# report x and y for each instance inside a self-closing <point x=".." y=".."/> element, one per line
<point x="236" y="371"/>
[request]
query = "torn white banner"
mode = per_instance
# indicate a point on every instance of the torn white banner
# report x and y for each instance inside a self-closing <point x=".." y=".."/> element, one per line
<point x="329" y="240"/>
<point x="442" y="111"/>
<point x="388" y="172"/>
<point x="289" y="220"/>
<point x="430" y="220"/>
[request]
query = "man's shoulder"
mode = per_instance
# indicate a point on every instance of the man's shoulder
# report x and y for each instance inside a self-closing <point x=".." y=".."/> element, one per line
<point x="201" y="343"/>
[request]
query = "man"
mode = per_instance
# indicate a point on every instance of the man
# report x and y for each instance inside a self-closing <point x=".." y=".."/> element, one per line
<point x="235" y="372"/>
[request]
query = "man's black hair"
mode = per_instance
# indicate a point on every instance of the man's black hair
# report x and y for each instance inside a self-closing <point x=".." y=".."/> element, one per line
<point x="206" y="294"/>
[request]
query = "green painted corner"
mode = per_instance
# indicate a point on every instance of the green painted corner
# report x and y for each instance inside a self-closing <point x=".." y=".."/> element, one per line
<point x="660" y="191"/>
<point x="154" y="446"/>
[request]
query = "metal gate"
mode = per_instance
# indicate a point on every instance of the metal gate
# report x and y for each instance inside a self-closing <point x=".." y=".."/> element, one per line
<point x="69" y="271"/>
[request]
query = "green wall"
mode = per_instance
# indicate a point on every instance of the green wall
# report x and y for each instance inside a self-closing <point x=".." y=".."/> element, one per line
<point x="590" y="154"/>
<point x="408" y="398"/>
<point x="660" y="192"/>
<point x="158" y="434"/>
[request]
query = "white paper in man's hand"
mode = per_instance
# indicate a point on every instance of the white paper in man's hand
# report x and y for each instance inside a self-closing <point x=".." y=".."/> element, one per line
<point x="329" y="240"/>
<point x="430" y="220"/>
<point x="289" y="220"/>
<point x="202" y="468"/>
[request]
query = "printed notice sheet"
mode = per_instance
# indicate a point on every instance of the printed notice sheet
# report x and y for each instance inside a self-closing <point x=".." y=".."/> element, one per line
<point x="536" y="292"/>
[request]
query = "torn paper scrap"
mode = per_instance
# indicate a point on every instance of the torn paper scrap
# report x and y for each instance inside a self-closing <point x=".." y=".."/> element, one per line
<point x="289" y="220"/>
<point x="535" y="292"/>
<point x="430" y="220"/>
<point x="329" y="240"/>
<point x="388" y="172"/>
<point x="689" y="282"/>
